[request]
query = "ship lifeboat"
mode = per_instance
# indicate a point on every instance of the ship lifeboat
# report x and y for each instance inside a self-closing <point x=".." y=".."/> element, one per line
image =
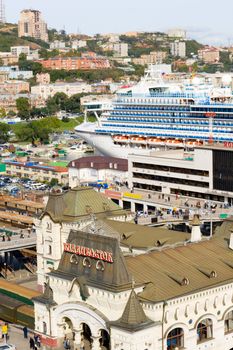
<point x="137" y="139"/>
<point x="120" y="138"/>
<point x="153" y="140"/>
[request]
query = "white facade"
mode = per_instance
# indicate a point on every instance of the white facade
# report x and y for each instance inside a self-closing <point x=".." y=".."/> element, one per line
<point x="120" y="49"/>
<point x="49" y="90"/>
<point x="178" y="48"/>
<point x="186" y="312"/>
<point x="78" y="44"/>
<point x="177" y="33"/>
<point x="85" y="175"/>
<point x="173" y="171"/>
<point x="18" y="50"/>
<point x="57" y="45"/>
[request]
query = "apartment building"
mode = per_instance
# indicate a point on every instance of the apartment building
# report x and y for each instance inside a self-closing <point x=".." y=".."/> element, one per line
<point x="57" y="45"/>
<point x="8" y="101"/>
<point x="209" y="55"/>
<point x="49" y="90"/>
<point x="18" y="50"/>
<point x="37" y="172"/>
<point x="120" y="49"/>
<point x="155" y="57"/>
<point x="43" y="78"/>
<point x="78" y="44"/>
<point x="178" y="48"/>
<point x="76" y="63"/>
<point x="177" y="33"/>
<point x="31" y="24"/>
<point x="14" y="87"/>
<point x="8" y="59"/>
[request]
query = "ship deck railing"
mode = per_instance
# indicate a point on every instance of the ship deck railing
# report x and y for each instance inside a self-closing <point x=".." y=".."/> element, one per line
<point x="166" y="94"/>
<point x="169" y="121"/>
<point x="182" y="135"/>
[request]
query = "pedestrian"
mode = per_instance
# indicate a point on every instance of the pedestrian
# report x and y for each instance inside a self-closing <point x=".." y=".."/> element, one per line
<point x="25" y="332"/>
<point x="32" y="343"/>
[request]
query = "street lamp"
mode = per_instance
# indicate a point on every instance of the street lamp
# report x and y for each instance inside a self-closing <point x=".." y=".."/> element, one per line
<point x="5" y="268"/>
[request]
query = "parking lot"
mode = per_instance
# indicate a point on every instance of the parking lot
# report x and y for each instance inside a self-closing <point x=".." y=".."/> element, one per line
<point x="13" y="185"/>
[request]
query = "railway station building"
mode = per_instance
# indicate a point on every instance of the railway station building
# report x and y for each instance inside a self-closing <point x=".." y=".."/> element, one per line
<point x="110" y="284"/>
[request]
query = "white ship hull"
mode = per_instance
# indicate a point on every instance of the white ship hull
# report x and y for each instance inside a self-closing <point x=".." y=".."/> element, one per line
<point x="105" y="144"/>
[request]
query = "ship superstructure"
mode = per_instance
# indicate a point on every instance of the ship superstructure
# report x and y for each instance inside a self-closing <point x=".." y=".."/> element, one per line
<point x="156" y="114"/>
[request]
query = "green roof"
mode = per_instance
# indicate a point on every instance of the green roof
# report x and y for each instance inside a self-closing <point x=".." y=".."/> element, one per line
<point x="79" y="202"/>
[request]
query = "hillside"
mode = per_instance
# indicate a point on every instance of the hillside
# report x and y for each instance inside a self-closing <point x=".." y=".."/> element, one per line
<point x="9" y="37"/>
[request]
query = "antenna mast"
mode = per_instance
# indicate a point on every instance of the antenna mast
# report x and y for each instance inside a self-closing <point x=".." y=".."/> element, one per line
<point x="2" y="12"/>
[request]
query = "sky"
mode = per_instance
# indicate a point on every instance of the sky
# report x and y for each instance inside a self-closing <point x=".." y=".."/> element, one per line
<point x="208" y="21"/>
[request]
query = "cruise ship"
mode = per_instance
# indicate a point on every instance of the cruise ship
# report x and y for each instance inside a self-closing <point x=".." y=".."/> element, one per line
<point x="155" y="114"/>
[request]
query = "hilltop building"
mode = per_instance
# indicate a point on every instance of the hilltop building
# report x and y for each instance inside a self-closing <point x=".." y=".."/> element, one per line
<point x="86" y="61"/>
<point x="32" y="25"/>
<point x="178" y="48"/>
<point x="209" y="55"/>
<point x="177" y="33"/>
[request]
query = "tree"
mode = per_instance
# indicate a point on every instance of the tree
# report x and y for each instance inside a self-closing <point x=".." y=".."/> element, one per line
<point x="2" y="112"/>
<point x="4" y="132"/>
<point x="57" y="102"/>
<point x="72" y="105"/>
<point x="22" y="57"/>
<point x="23" y="107"/>
<point x="11" y="114"/>
<point x="53" y="182"/>
<point x="36" y="67"/>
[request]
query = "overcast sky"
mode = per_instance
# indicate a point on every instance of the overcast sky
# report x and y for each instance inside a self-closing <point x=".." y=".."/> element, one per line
<point x="207" y="20"/>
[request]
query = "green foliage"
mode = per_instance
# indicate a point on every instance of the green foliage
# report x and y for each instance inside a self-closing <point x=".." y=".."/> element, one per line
<point x="48" y="54"/>
<point x="2" y="112"/>
<point x="212" y="68"/>
<point x="192" y="47"/>
<point x="4" y="132"/>
<point x="11" y="114"/>
<point x="22" y="57"/>
<point x="72" y="105"/>
<point x="93" y="46"/>
<point x="138" y="51"/>
<point x="23" y="107"/>
<point x="39" y="130"/>
<point x="139" y="70"/>
<point x="36" y="67"/>
<point x="57" y="102"/>
<point x="91" y="76"/>
<point x="53" y="182"/>
<point x="39" y="42"/>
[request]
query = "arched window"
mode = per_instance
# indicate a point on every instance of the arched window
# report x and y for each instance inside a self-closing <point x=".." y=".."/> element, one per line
<point x="204" y="330"/>
<point x="175" y="339"/>
<point x="228" y="323"/>
<point x="44" y="328"/>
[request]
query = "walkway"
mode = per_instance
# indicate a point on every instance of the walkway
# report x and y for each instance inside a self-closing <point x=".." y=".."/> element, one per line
<point x="16" y="243"/>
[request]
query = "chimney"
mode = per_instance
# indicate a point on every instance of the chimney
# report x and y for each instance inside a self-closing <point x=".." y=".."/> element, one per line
<point x="231" y="241"/>
<point x="196" y="231"/>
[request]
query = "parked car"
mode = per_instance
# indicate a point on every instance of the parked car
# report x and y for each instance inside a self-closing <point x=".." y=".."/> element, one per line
<point x="7" y="347"/>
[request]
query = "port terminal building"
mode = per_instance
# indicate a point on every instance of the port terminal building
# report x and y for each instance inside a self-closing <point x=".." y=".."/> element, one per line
<point x="203" y="173"/>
